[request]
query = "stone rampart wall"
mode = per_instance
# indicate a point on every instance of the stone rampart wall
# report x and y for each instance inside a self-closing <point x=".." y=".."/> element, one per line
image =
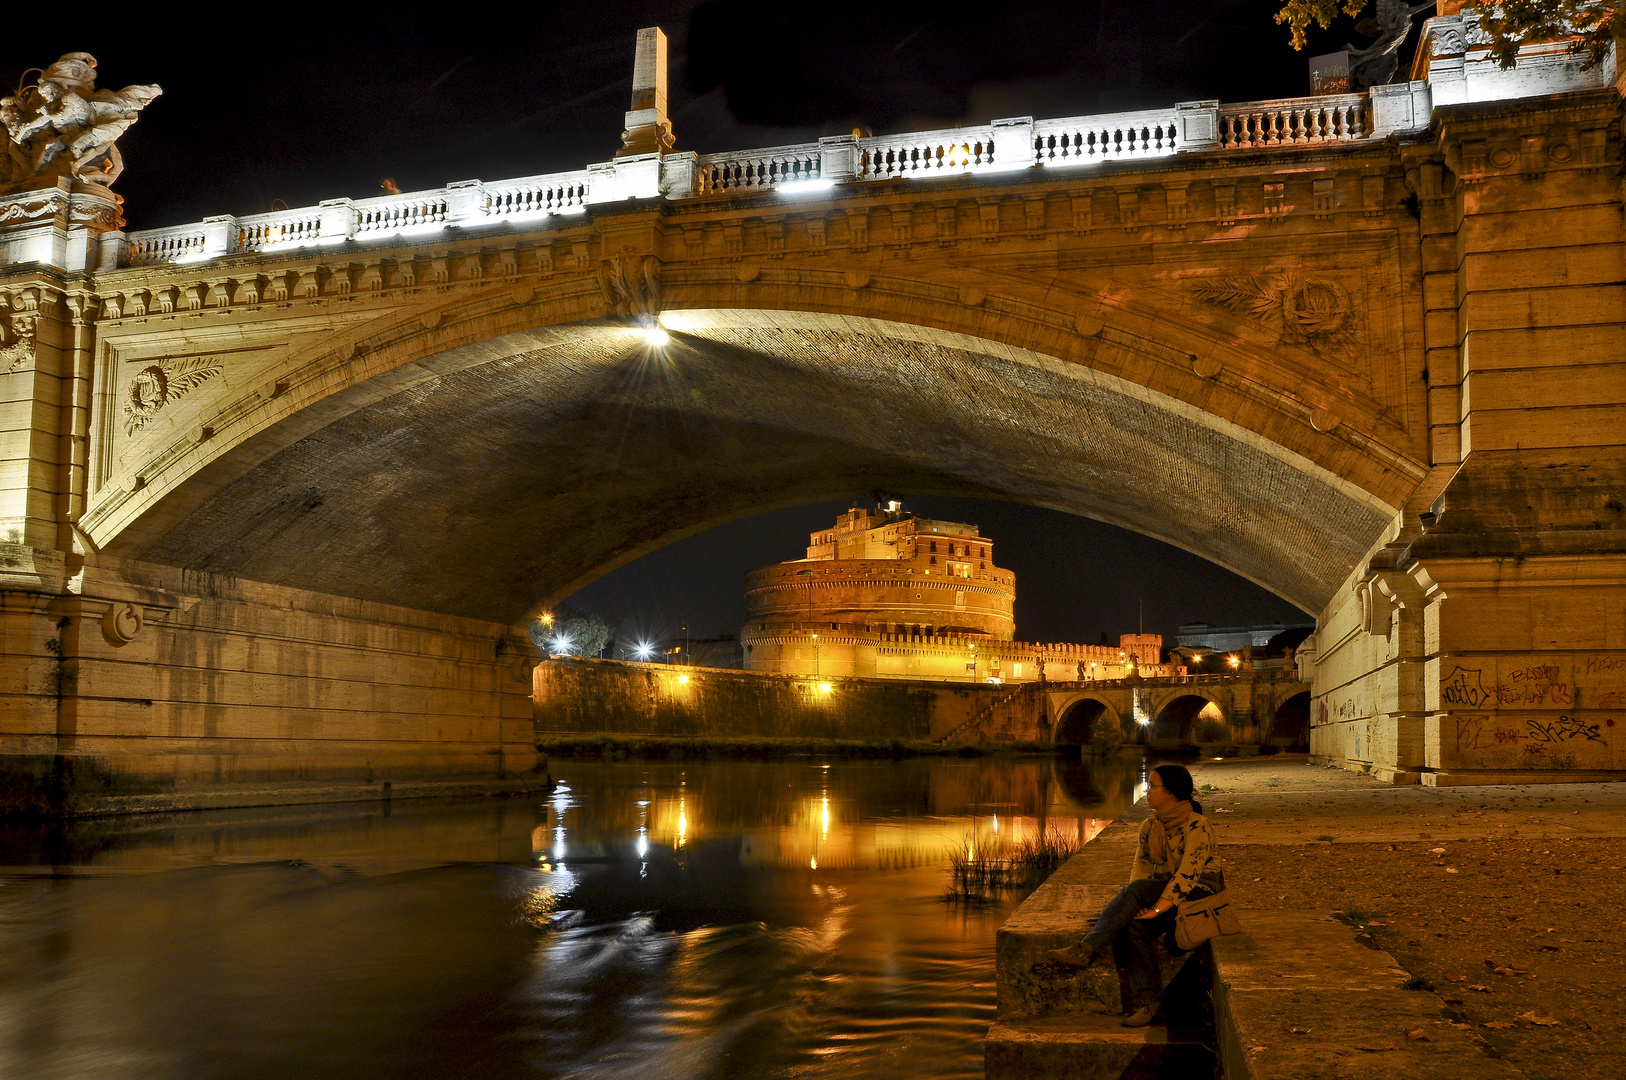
<point x="609" y="696"/>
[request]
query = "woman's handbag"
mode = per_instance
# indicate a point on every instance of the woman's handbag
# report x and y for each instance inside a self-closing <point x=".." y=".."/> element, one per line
<point x="1198" y="919"/>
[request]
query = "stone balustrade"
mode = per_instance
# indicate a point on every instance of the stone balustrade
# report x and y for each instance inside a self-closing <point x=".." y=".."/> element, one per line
<point x="1004" y="145"/>
<point x="1295" y="122"/>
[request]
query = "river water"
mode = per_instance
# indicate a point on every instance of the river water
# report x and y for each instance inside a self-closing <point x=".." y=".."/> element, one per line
<point x="733" y="919"/>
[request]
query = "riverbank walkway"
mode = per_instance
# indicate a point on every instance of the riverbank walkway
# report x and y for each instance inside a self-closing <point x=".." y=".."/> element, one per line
<point x="1389" y="931"/>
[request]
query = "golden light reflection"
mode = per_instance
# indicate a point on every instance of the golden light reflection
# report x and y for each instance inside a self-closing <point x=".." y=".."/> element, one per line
<point x="825" y="813"/>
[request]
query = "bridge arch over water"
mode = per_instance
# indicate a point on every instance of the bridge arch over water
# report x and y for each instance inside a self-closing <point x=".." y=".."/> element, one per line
<point x="1361" y="350"/>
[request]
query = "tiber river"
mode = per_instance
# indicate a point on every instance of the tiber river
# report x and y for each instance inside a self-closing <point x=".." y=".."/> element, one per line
<point x="683" y="919"/>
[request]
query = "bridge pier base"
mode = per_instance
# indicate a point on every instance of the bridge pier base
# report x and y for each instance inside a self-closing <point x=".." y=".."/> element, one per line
<point x="142" y="676"/>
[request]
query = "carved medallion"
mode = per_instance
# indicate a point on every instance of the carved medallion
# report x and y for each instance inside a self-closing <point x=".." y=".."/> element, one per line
<point x="1303" y="307"/>
<point x="157" y="385"/>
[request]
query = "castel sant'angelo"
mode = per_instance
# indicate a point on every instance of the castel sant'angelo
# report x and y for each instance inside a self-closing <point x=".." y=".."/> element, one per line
<point x="884" y="593"/>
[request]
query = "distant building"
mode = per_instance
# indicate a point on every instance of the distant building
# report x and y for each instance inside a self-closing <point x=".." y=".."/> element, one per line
<point x="1197" y="639"/>
<point x="883" y="593"/>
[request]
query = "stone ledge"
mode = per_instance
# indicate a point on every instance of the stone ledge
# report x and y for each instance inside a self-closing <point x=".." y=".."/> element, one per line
<point x="1303" y="970"/>
<point x="1090" y="1046"/>
<point x="304" y="794"/>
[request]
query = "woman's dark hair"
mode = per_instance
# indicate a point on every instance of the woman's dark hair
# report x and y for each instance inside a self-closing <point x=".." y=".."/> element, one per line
<point x="1177" y="782"/>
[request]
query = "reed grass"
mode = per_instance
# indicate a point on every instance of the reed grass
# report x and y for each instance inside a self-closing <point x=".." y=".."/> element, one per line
<point x="983" y="867"/>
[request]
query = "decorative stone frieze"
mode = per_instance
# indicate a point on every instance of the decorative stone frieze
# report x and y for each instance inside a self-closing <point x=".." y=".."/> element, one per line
<point x="156" y="385"/>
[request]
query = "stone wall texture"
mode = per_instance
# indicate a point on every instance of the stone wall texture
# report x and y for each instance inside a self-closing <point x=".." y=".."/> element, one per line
<point x="582" y="697"/>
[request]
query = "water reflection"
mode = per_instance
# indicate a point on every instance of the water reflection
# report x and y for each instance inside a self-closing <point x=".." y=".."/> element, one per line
<point x="680" y="919"/>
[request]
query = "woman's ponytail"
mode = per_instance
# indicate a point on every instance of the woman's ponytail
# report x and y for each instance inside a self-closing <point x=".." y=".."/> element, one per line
<point x="1178" y="782"/>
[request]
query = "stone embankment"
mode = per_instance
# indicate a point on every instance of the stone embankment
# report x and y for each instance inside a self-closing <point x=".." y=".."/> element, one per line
<point x="1389" y="932"/>
<point x="593" y="697"/>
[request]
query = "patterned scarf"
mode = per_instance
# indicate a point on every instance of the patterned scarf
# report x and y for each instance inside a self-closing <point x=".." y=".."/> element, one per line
<point x="1157" y="840"/>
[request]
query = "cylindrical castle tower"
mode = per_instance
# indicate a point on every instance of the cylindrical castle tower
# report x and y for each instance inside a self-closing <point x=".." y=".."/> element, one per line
<point x="875" y="577"/>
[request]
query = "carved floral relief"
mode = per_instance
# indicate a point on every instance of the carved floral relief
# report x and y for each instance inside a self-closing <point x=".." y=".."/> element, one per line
<point x="156" y="385"/>
<point x="16" y="339"/>
<point x="1304" y="307"/>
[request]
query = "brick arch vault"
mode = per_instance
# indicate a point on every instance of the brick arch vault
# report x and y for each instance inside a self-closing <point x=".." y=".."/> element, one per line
<point x="485" y="456"/>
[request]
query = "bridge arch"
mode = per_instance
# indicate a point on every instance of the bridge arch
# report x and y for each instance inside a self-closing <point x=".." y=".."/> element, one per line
<point x="346" y="465"/>
<point x="1290" y="725"/>
<point x="1186" y="716"/>
<point x="1080" y="718"/>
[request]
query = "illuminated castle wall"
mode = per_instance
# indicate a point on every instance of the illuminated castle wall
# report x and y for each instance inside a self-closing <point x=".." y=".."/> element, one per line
<point x="885" y="593"/>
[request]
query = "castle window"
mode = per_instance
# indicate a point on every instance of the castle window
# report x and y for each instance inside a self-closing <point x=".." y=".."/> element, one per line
<point x="934" y="560"/>
<point x="934" y="548"/>
<point x="982" y="566"/>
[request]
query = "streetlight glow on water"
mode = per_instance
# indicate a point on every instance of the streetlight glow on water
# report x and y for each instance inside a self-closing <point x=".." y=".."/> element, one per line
<point x="748" y="919"/>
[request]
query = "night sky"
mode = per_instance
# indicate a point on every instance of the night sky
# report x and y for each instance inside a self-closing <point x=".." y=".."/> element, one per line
<point x="264" y="107"/>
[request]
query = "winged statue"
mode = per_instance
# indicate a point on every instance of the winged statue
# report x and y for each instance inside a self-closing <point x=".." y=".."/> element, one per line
<point x="62" y="126"/>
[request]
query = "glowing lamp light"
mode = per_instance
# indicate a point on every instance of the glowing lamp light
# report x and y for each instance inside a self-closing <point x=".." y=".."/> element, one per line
<point x="804" y="187"/>
<point x="656" y="337"/>
<point x="643" y="651"/>
<point x="561" y="644"/>
<point x="1235" y="661"/>
<point x="824" y="688"/>
<point x="683" y="680"/>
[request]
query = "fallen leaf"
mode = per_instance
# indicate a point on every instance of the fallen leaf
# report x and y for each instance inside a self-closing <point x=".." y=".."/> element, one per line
<point x="1436" y="851"/>
<point x="1456" y="978"/>
<point x="1480" y="989"/>
<point x="1534" y="1018"/>
<point x="1418" y="1035"/>
<point x="1498" y="1024"/>
<point x="1257" y="1049"/>
<point x="1298" y="1031"/>
<point x="1450" y="869"/>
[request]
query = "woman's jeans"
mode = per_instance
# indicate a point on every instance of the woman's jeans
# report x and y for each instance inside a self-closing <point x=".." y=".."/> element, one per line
<point x="1133" y="939"/>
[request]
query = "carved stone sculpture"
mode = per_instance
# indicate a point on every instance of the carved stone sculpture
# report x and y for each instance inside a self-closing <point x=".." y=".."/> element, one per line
<point x="631" y="284"/>
<point x="157" y="385"/>
<point x="1303" y="307"/>
<point x="16" y="336"/>
<point x="63" y="127"/>
<point x="1376" y="64"/>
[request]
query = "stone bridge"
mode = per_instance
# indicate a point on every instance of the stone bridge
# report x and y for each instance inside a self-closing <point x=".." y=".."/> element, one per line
<point x="282" y="491"/>
<point x="1166" y="712"/>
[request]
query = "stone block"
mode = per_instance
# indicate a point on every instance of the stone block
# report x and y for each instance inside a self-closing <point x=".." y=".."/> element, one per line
<point x="1589" y="264"/>
<point x="1599" y="384"/>
<point x="1516" y="309"/>
<point x="1528" y="429"/>
<point x="1304" y="970"/>
<point x="1547" y="347"/>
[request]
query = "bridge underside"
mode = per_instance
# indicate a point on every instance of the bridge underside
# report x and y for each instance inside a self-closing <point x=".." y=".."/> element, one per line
<point x="537" y="461"/>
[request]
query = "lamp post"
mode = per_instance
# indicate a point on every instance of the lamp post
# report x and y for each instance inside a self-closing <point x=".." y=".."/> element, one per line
<point x="816" y="669"/>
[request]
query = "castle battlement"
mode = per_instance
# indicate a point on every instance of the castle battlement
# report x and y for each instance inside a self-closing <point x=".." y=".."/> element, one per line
<point x="884" y="593"/>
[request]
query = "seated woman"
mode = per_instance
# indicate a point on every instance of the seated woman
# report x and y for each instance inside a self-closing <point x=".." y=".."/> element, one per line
<point x="1175" y="850"/>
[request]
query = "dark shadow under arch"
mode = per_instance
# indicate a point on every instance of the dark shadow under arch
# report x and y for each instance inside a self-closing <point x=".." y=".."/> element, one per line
<point x="1290" y="727"/>
<point x="1182" y="720"/>
<point x="1077" y="725"/>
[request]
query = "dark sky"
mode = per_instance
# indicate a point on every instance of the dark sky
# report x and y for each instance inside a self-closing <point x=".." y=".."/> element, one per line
<point x="262" y="104"/>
